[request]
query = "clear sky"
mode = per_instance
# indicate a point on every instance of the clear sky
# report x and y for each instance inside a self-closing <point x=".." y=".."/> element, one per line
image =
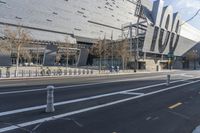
<point x="187" y="8"/>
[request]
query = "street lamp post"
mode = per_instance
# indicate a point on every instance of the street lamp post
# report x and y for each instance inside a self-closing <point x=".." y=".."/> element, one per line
<point x="194" y="58"/>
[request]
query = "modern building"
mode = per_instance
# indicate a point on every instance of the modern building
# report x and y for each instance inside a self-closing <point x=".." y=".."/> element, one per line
<point x="155" y="32"/>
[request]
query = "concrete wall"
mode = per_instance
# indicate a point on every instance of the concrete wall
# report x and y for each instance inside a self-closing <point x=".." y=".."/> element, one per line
<point x="85" y="18"/>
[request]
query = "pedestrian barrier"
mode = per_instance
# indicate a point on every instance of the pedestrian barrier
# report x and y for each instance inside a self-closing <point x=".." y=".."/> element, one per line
<point x="59" y="72"/>
<point x="30" y="73"/>
<point x="0" y="73"/>
<point x="88" y="72"/>
<point x="83" y="72"/>
<point x="15" y="73"/>
<point x="42" y="72"/>
<point x="7" y="73"/>
<point x="91" y="72"/>
<point x="36" y="73"/>
<point x="79" y="71"/>
<point x="48" y="72"/>
<point x="70" y="72"/>
<point x="65" y="72"/>
<point x="54" y="72"/>
<point x="22" y="73"/>
<point x="75" y="71"/>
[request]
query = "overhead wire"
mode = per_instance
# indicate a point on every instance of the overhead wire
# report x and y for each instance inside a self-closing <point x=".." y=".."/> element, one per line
<point x="191" y="17"/>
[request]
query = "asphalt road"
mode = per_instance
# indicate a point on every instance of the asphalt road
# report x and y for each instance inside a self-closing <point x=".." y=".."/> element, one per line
<point x="138" y="103"/>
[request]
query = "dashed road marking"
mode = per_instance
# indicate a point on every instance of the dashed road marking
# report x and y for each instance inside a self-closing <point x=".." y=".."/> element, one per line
<point x="175" y="105"/>
<point x="132" y="93"/>
<point x="12" y="85"/>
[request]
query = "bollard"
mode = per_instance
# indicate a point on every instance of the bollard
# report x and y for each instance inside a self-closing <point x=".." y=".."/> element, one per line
<point x="75" y="71"/>
<point x="65" y="72"/>
<point x="50" y="99"/>
<point x="168" y="80"/>
<point x="0" y="73"/>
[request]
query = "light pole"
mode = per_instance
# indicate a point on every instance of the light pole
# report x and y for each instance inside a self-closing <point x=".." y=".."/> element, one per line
<point x="194" y="58"/>
<point x="112" y="61"/>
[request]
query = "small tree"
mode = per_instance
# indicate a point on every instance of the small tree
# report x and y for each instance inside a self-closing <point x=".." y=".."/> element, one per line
<point x="5" y="46"/>
<point x="16" y="40"/>
<point x="98" y="49"/>
<point x="67" y="45"/>
<point x="25" y="54"/>
<point x="65" y="49"/>
<point x="123" y="51"/>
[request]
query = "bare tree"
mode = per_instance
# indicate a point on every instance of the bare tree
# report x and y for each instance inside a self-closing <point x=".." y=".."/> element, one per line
<point x="58" y="57"/>
<point x="16" y="40"/>
<point x="98" y="49"/>
<point x="67" y="45"/>
<point x="65" y="49"/>
<point x="4" y="45"/>
<point x="25" y="54"/>
<point x="123" y="51"/>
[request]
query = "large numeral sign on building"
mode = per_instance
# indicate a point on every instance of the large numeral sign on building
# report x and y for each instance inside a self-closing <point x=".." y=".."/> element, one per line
<point x="164" y="35"/>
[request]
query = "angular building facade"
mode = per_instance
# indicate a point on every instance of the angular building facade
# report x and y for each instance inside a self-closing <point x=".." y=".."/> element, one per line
<point x="161" y="32"/>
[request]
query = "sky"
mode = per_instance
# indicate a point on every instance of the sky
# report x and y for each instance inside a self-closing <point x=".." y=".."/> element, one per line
<point x="187" y="9"/>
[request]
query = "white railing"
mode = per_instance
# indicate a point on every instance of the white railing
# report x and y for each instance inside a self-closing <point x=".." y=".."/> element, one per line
<point x="45" y="73"/>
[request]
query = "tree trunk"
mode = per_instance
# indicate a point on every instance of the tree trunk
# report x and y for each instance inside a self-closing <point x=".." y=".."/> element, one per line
<point x="100" y="65"/>
<point x="67" y="60"/>
<point x="17" y="62"/>
<point x="123" y="63"/>
<point x="37" y="63"/>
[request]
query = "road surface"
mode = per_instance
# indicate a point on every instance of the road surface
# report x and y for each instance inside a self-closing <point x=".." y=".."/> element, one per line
<point x="137" y="103"/>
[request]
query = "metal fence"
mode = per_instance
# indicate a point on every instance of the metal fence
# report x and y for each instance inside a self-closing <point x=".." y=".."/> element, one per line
<point x="45" y="73"/>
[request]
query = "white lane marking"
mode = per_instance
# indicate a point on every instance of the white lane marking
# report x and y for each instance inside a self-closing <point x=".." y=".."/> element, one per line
<point x="88" y="109"/>
<point x="148" y="118"/>
<point x="131" y="93"/>
<point x="186" y="75"/>
<point x="22" y="91"/>
<point x="11" y="85"/>
<point x="80" y="85"/>
<point x="82" y="99"/>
